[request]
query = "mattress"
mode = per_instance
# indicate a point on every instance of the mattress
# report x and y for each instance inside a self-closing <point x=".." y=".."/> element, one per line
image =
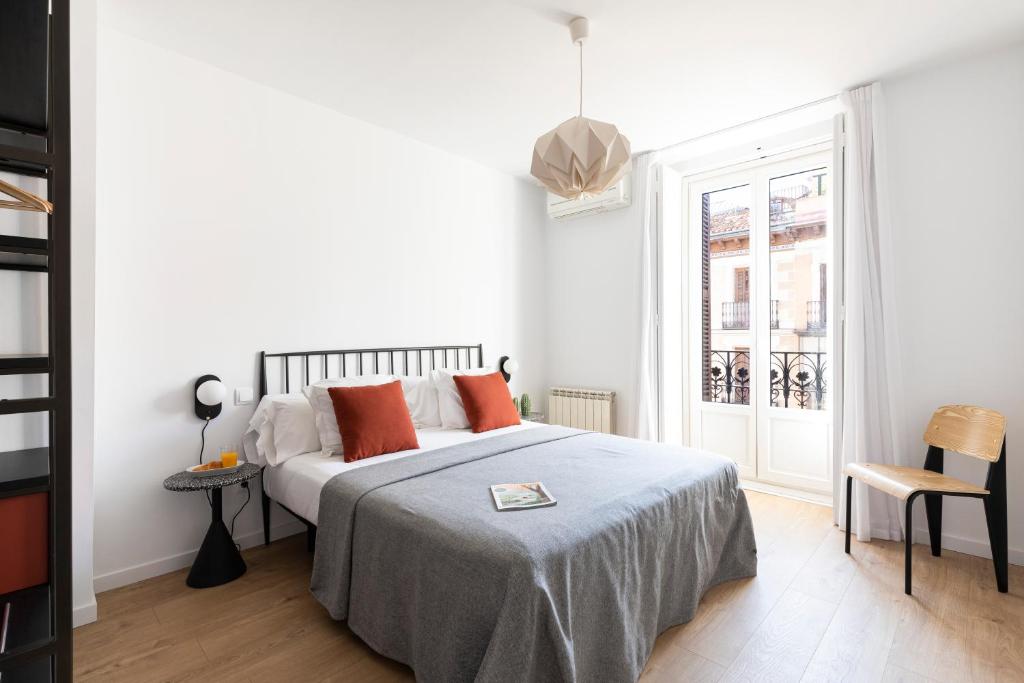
<point x="296" y="484"/>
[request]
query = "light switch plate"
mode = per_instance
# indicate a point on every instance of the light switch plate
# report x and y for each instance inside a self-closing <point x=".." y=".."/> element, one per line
<point x="243" y="395"/>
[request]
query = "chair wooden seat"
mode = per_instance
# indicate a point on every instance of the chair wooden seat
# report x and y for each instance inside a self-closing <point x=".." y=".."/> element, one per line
<point x="902" y="482"/>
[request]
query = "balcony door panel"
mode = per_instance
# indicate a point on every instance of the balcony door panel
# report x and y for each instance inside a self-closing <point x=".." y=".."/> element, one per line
<point x="760" y="249"/>
<point x="794" y="450"/>
<point x="794" y="243"/>
<point x="731" y="434"/>
<point x="725" y="423"/>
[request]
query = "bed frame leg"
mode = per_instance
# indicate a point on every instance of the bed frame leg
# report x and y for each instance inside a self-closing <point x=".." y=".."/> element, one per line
<point x="265" y="504"/>
<point x="310" y="538"/>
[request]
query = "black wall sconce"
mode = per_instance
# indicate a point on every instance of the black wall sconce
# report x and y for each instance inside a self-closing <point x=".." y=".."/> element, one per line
<point x="209" y="397"/>
<point x="507" y="366"/>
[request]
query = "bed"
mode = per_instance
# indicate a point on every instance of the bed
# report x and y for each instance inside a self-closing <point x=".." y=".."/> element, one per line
<point x="411" y="552"/>
<point x="296" y="485"/>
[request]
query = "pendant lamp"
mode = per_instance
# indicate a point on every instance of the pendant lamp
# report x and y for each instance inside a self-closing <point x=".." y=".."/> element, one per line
<point x="581" y="157"/>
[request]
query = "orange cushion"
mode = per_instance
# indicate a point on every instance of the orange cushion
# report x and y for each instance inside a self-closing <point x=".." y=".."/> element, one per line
<point x="373" y="420"/>
<point x="487" y="401"/>
<point x="24" y="544"/>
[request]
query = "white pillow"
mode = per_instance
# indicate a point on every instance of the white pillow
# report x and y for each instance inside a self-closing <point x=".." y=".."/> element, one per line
<point x="249" y="448"/>
<point x="453" y="415"/>
<point x="265" y="443"/>
<point x="294" y="429"/>
<point x="262" y="426"/>
<point x="421" y="398"/>
<point x="323" y="407"/>
<point x="260" y="417"/>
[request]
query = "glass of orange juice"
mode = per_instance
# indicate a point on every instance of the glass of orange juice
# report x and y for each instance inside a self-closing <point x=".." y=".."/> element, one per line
<point x="228" y="456"/>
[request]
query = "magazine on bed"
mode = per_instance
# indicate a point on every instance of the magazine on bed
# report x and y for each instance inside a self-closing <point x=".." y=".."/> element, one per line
<point x="521" y="496"/>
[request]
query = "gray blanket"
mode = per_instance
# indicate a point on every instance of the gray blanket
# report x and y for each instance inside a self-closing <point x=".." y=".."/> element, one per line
<point x="413" y="553"/>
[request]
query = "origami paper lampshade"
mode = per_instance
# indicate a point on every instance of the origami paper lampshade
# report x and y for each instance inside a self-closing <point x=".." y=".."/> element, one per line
<point x="581" y="157"/>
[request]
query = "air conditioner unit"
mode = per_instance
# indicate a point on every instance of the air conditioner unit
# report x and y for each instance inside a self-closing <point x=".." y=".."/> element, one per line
<point x="615" y="197"/>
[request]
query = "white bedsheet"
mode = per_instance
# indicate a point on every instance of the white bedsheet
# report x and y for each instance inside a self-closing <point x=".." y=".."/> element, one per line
<point x="296" y="484"/>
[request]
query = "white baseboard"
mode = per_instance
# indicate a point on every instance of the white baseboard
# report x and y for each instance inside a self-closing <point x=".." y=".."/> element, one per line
<point x="966" y="545"/>
<point x="83" y="614"/>
<point x="785" y="492"/>
<point x="164" y="565"/>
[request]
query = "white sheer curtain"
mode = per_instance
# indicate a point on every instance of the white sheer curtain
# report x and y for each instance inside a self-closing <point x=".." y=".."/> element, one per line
<point x="872" y="383"/>
<point x="645" y="189"/>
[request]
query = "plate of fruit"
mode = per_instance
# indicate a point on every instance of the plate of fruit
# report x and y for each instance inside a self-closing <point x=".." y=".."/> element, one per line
<point x="212" y="469"/>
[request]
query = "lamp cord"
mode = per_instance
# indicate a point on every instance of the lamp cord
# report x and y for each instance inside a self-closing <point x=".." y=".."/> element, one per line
<point x="202" y="444"/>
<point x="581" y="79"/>
<point x="202" y="449"/>
<point x="248" y="495"/>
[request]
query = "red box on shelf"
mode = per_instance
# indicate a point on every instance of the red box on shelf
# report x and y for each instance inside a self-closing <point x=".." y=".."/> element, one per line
<point x="24" y="542"/>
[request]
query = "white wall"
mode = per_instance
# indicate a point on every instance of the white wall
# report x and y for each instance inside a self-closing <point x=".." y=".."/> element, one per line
<point x="593" y="305"/>
<point x="233" y="218"/>
<point x="955" y="142"/>
<point x="83" y="301"/>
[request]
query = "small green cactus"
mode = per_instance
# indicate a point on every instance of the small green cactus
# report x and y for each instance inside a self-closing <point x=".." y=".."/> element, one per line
<point x="524" y="405"/>
<point x="515" y="402"/>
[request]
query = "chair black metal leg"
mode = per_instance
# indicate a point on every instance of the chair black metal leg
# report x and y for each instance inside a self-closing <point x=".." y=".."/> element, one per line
<point x="933" y="501"/>
<point x="933" y="509"/>
<point x="909" y="540"/>
<point x="849" y="506"/>
<point x="265" y="504"/>
<point x="995" y="517"/>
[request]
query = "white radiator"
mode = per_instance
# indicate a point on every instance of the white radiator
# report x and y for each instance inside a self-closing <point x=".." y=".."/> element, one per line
<point x="582" y="408"/>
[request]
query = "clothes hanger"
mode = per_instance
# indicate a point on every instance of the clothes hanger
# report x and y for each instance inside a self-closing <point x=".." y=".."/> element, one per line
<point x="23" y="201"/>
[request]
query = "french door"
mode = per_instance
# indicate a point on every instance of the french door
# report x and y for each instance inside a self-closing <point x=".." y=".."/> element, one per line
<point x="762" y="266"/>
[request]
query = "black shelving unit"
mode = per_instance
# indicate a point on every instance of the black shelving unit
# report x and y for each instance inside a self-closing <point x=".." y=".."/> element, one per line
<point x="23" y="253"/>
<point x="34" y="142"/>
<point x="24" y="364"/>
<point x="24" y="471"/>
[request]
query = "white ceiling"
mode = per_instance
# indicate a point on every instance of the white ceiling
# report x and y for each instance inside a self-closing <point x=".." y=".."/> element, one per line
<point x="483" y="79"/>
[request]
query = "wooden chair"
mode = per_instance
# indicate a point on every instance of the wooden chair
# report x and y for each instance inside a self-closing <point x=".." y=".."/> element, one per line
<point x="969" y="430"/>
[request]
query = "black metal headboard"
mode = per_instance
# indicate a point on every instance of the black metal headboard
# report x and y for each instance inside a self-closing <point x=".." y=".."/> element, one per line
<point x="407" y="360"/>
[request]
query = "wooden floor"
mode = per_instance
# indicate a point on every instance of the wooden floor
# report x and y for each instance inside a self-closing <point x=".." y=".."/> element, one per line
<point x="812" y="613"/>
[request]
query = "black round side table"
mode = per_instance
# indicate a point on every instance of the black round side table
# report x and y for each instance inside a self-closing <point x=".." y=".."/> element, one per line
<point x="218" y="561"/>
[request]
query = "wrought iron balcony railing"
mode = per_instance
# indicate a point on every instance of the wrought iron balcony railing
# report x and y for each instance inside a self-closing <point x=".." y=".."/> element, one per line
<point x="727" y="380"/>
<point x="817" y="316"/>
<point x="736" y="315"/>
<point x="797" y="379"/>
